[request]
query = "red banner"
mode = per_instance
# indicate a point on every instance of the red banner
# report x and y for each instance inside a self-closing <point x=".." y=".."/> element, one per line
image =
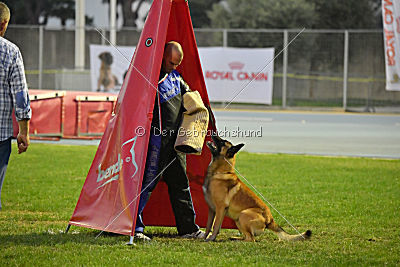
<point x="59" y="114"/>
<point x="110" y="195"/>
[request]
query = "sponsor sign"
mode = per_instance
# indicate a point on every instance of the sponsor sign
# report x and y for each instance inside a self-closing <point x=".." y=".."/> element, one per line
<point x="391" y="32"/>
<point x="243" y="75"/>
<point x="111" y="172"/>
<point x="231" y="74"/>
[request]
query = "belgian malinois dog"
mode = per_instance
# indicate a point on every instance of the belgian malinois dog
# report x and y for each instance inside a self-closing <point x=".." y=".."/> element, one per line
<point x="226" y="195"/>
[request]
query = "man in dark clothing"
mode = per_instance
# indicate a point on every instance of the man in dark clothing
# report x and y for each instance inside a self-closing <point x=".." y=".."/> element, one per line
<point x="161" y="155"/>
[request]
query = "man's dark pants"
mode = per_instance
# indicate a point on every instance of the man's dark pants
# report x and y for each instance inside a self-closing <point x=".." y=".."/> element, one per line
<point x="5" y="151"/>
<point x="178" y="190"/>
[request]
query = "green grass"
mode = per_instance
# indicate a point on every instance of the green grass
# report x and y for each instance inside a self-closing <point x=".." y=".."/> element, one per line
<point x="350" y="204"/>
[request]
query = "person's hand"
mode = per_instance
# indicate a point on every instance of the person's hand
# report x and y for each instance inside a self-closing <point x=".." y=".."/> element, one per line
<point x="22" y="142"/>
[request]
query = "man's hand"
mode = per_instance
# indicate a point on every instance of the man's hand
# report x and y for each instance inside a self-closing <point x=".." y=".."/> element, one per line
<point x="22" y="142"/>
<point x="23" y="136"/>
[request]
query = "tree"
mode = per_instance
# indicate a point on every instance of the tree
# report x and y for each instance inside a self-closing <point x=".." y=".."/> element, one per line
<point x="62" y="9"/>
<point x="349" y="14"/>
<point x="321" y="14"/>
<point x="198" y="12"/>
<point x="38" y="11"/>
<point x="262" y="14"/>
<point x="259" y="14"/>
<point x="129" y="13"/>
<point x="25" y="12"/>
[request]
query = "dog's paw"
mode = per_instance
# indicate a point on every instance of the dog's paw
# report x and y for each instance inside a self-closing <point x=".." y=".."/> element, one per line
<point x="209" y="239"/>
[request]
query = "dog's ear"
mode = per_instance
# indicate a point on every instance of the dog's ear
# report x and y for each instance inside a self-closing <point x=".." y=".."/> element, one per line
<point x="233" y="150"/>
<point x="216" y="139"/>
<point x="211" y="147"/>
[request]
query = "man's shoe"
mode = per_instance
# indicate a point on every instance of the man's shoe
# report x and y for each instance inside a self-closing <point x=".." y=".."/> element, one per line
<point x="142" y="237"/>
<point x="196" y="235"/>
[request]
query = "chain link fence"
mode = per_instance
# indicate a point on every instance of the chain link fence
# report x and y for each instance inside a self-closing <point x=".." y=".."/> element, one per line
<point x="333" y="68"/>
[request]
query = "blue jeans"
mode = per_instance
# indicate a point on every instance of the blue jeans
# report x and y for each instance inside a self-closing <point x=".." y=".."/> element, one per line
<point x="5" y="151"/>
<point x="150" y="178"/>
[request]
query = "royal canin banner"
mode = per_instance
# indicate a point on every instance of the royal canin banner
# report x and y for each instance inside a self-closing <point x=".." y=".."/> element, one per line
<point x="242" y="75"/>
<point x="110" y="194"/>
<point x="231" y="74"/>
<point x="391" y="32"/>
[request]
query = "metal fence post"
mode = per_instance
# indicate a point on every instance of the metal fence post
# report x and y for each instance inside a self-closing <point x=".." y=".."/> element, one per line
<point x="284" y="68"/>
<point x="345" y="67"/>
<point x="113" y="32"/>
<point x="225" y="38"/>
<point x="103" y="33"/>
<point x="79" y="34"/>
<point x="40" y="62"/>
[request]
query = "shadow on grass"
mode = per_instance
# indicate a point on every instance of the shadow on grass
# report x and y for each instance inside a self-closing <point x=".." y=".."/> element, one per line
<point x="175" y="236"/>
<point x="51" y="239"/>
<point x="162" y="235"/>
<point x="88" y="238"/>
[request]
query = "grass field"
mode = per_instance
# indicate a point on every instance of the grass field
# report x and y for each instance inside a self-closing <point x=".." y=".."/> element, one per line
<point x="352" y="205"/>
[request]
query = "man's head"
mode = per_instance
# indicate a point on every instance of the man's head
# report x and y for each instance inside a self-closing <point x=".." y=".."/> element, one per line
<point x="4" y="18"/>
<point x="172" y="58"/>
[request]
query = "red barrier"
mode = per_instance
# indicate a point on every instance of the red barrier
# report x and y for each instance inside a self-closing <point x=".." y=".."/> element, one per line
<point x="65" y="114"/>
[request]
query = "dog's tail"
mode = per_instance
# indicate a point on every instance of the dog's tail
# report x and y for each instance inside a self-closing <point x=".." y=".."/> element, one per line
<point x="285" y="236"/>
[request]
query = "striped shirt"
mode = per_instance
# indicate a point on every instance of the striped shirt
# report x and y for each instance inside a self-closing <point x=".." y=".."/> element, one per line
<point x="13" y="88"/>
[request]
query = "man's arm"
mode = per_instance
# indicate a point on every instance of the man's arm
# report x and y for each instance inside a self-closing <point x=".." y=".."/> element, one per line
<point x="23" y="136"/>
<point x="184" y="86"/>
<point x="19" y="92"/>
